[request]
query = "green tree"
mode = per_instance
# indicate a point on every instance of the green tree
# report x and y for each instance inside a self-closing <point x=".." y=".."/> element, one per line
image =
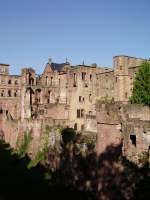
<point x="141" y="85"/>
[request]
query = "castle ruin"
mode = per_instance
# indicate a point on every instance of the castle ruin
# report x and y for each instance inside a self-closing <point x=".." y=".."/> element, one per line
<point x="70" y="96"/>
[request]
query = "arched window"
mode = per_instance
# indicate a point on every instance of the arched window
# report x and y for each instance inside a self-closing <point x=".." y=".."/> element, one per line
<point x="49" y="96"/>
<point x="2" y="93"/>
<point x="90" y="77"/>
<point x="38" y="95"/>
<point x="9" y="93"/>
<point x="16" y="82"/>
<point x="46" y="80"/>
<point x="75" y="126"/>
<point x="15" y="93"/>
<point x="9" y="81"/>
<point x="83" y="75"/>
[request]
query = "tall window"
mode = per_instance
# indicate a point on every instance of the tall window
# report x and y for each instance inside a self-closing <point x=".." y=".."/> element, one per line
<point x="90" y="77"/>
<point x="80" y="99"/>
<point x="80" y="113"/>
<point x="16" y="82"/>
<point x="9" y="81"/>
<point x="9" y="93"/>
<point x="51" y="80"/>
<point x="83" y="76"/>
<point x="75" y="126"/>
<point x="90" y="97"/>
<point x="2" y="93"/>
<point x="46" y="80"/>
<point x="15" y="93"/>
<point x="74" y="80"/>
<point x="133" y="139"/>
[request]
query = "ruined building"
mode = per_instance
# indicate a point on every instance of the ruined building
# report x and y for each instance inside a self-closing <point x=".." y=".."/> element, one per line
<point x="63" y="95"/>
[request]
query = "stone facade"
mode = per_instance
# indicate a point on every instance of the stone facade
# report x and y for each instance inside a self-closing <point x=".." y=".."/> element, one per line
<point x="76" y="87"/>
<point x="65" y="95"/>
<point x="127" y="124"/>
<point x="62" y="92"/>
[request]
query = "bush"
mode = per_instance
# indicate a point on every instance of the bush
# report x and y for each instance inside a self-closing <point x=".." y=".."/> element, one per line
<point x="25" y="145"/>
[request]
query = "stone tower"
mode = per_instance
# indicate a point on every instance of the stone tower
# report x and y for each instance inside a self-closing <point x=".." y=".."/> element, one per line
<point x="125" y="69"/>
<point x="122" y="80"/>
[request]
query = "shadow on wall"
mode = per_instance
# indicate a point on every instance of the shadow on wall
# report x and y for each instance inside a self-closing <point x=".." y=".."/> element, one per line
<point x="77" y="176"/>
<point x="18" y="182"/>
<point x="106" y="177"/>
<point x="2" y="136"/>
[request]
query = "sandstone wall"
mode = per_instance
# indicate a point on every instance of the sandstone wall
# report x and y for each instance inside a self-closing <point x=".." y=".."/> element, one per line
<point x="136" y="131"/>
<point x="129" y="124"/>
<point x="14" y="131"/>
<point x="125" y="68"/>
<point x="108" y="125"/>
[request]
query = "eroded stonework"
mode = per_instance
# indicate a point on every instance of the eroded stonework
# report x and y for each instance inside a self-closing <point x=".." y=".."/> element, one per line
<point x="64" y="95"/>
<point x="127" y="124"/>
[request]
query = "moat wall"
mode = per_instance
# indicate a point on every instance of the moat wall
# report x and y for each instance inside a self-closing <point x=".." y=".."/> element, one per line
<point x="14" y="130"/>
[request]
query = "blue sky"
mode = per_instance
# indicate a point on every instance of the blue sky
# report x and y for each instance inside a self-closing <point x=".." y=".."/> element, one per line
<point x="31" y="31"/>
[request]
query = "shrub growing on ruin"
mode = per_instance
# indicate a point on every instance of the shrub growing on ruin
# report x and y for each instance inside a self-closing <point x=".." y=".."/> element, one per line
<point x="37" y="159"/>
<point x="22" y="151"/>
<point x="141" y="85"/>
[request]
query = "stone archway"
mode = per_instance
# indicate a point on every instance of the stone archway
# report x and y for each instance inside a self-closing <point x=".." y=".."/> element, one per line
<point x="38" y="96"/>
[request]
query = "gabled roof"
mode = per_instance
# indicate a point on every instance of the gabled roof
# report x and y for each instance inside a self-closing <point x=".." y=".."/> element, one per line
<point x="54" y="67"/>
<point x="48" y="68"/>
<point x="57" y="66"/>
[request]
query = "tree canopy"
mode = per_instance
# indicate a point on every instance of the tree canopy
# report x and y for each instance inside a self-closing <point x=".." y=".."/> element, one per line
<point x="141" y="85"/>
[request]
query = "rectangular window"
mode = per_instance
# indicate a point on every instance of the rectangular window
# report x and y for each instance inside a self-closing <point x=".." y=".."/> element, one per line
<point x="78" y="113"/>
<point x="82" y="113"/>
<point x="133" y="139"/>
<point x="80" y="99"/>
<point x="90" y="77"/>
<point x="83" y="76"/>
<point x="75" y="126"/>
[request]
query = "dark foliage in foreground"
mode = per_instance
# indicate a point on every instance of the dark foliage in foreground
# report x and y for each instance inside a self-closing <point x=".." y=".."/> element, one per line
<point x="75" y="176"/>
